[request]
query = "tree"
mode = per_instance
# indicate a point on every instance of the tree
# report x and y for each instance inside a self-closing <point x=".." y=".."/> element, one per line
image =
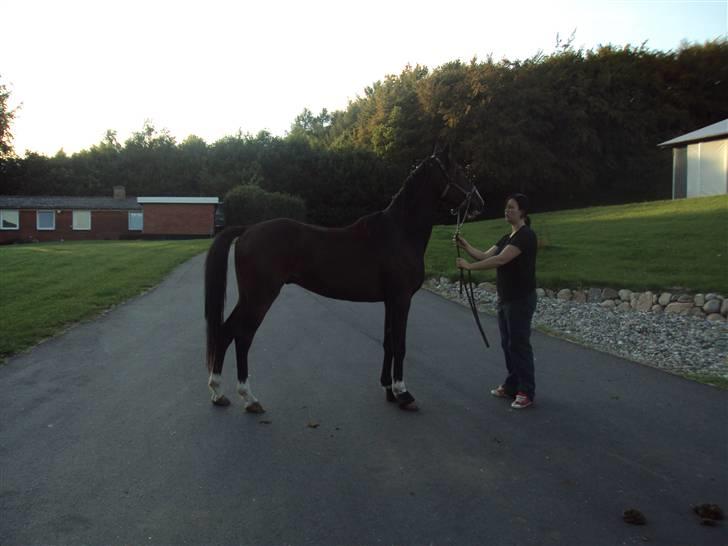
<point x="7" y="115"/>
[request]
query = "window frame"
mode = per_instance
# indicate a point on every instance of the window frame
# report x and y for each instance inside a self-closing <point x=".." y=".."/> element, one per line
<point x="140" y="213"/>
<point x="17" y="223"/>
<point x="73" y="220"/>
<point x="37" y="220"/>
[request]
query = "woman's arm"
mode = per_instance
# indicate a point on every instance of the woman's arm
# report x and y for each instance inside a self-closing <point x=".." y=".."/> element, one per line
<point x="491" y="262"/>
<point x="474" y="252"/>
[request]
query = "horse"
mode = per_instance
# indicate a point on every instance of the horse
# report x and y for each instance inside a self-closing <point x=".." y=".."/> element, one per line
<point x="380" y="257"/>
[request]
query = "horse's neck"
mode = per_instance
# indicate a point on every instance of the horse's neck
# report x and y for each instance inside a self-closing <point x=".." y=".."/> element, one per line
<point x="413" y="209"/>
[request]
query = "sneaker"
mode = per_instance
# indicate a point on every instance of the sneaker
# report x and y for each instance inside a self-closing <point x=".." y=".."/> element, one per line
<point x="521" y="401"/>
<point x="500" y="392"/>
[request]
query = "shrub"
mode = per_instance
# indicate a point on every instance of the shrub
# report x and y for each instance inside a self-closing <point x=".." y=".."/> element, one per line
<point x="249" y="204"/>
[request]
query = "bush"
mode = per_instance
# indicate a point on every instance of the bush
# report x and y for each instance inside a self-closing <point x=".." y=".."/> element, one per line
<point x="249" y="204"/>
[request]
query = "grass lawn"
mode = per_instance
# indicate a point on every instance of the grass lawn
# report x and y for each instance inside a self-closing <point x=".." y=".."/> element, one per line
<point x="47" y="286"/>
<point x="659" y="245"/>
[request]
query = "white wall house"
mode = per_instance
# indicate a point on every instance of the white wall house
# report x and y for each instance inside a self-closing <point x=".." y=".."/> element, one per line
<point x="700" y="161"/>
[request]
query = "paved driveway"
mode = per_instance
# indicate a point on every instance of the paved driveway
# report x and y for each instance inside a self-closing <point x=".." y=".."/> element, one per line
<point x="107" y="436"/>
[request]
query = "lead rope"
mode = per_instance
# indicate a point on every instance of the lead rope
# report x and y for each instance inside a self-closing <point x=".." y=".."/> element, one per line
<point x="469" y="285"/>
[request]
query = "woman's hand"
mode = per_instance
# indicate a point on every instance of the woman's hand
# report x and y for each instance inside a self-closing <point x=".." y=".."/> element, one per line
<point x="460" y="242"/>
<point x="461" y="263"/>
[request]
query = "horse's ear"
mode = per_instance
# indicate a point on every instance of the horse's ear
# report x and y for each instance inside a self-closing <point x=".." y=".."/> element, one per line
<point x="441" y="150"/>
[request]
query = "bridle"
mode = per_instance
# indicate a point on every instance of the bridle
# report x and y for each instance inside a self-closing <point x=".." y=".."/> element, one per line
<point x="467" y="200"/>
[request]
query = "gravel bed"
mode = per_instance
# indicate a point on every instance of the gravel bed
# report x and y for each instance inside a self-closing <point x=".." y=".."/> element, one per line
<point x="676" y="343"/>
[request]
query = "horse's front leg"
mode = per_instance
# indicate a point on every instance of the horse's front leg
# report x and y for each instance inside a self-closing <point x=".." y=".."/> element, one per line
<point x="386" y="377"/>
<point x="398" y="318"/>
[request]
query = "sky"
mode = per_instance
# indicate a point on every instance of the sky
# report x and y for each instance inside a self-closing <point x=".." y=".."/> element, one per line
<point x="212" y="68"/>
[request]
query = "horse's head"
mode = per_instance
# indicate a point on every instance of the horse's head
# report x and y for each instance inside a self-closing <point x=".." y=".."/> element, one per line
<point x="458" y="193"/>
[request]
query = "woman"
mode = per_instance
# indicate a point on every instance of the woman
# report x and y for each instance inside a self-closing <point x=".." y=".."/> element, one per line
<point x="514" y="258"/>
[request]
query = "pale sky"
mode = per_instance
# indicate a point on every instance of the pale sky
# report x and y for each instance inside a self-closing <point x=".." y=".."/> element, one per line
<point x="213" y="67"/>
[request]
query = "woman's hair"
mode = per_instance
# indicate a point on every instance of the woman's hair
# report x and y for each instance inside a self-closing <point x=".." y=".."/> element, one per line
<point x="523" y="206"/>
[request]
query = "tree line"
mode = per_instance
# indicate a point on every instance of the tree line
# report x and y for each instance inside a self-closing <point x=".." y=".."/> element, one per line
<point x="573" y="128"/>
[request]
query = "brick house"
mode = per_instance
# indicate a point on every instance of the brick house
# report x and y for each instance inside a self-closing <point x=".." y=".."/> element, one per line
<point x="47" y="218"/>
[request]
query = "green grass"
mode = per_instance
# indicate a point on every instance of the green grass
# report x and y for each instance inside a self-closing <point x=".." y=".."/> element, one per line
<point x="45" y="287"/>
<point x="659" y="245"/>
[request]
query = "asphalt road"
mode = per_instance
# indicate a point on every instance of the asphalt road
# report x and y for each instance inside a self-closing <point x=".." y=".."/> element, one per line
<point x="107" y="436"/>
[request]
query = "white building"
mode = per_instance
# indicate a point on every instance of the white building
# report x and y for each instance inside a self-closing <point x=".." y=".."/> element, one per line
<point x="700" y="161"/>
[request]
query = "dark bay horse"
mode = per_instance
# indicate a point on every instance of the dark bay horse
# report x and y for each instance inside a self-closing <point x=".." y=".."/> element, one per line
<point x="380" y="257"/>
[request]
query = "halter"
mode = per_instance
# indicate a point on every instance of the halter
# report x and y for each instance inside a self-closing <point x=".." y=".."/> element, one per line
<point x="467" y="198"/>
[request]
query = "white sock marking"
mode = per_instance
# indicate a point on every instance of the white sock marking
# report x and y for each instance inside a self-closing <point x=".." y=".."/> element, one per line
<point x="398" y="387"/>
<point x="215" y="385"/>
<point x="246" y="393"/>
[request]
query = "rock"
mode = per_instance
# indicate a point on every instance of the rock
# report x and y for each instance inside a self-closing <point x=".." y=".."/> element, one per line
<point x="699" y="300"/>
<point x="684" y="298"/>
<point x="489" y="286"/>
<point x="712" y="306"/>
<point x="624" y="306"/>
<point x="712" y="296"/>
<point x="540" y="292"/>
<point x="579" y="296"/>
<point x="715" y="317"/>
<point x="664" y="298"/>
<point x="696" y="312"/>
<point x="625" y="295"/>
<point x="678" y="308"/>
<point x="549" y="293"/>
<point x="443" y="281"/>
<point x="609" y="294"/>
<point x="724" y="308"/>
<point x="709" y="511"/>
<point x="657" y="308"/>
<point x="644" y="302"/>
<point x="634" y="517"/>
<point x="594" y="296"/>
<point x="564" y="295"/>
<point x="608" y="304"/>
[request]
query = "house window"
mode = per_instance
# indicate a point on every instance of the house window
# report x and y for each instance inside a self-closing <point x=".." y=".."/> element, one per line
<point x="45" y="220"/>
<point x="9" y="219"/>
<point x="136" y="221"/>
<point x="82" y="220"/>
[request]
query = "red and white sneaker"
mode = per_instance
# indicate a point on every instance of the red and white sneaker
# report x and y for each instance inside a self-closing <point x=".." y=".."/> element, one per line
<point x="522" y="401"/>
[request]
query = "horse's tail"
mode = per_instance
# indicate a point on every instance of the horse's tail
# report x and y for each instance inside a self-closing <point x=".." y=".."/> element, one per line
<point x="216" y="266"/>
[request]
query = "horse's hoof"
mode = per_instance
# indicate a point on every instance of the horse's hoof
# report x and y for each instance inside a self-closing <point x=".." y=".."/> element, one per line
<point x="409" y="406"/>
<point x="407" y="402"/>
<point x="390" y="395"/>
<point x="222" y="401"/>
<point x="255" y="407"/>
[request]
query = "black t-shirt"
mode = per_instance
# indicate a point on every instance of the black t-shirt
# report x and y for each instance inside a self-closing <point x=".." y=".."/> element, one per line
<point x="517" y="278"/>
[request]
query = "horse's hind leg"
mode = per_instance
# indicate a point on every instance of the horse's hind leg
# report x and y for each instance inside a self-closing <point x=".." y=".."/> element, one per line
<point x="215" y="381"/>
<point x="246" y="327"/>
<point x="386" y="377"/>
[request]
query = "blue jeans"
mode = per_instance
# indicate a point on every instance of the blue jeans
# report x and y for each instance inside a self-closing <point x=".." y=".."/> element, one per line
<point x="514" y="322"/>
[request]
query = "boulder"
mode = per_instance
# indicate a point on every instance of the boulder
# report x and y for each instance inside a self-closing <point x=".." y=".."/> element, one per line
<point x="540" y="292"/>
<point x="644" y="302"/>
<point x="724" y="307"/>
<point x="608" y="304"/>
<point x="624" y="306"/>
<point x="685" y="298"/>
<point x="625" y="295"/>
<point x="609" y="294"/>
<point x="579" y="296"/>
<point x="678" y="308"/>
<point x="712" y="306"/>
<point x="594" y="296"/>
<point x="699" y="300"/>
<point x="716" y="317"/>
<point x="657" y="308"/>
<point x="564" y="295"/>
<point x="712" y="296"/>
<point x="664" y="298"/>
